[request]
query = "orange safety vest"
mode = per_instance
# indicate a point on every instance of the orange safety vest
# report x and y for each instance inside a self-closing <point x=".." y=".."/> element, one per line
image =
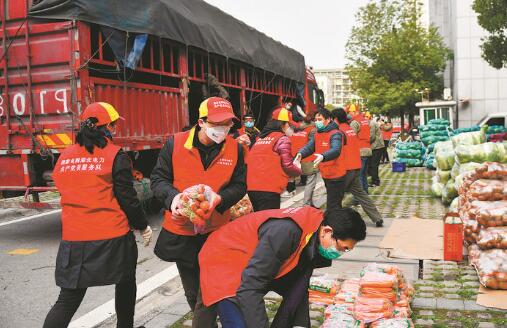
<point x="351" y="150"/>
<point x="387" y="135"/>
<point x="90" y="210"/>
<point x="364" y="130"/>
<point x="188" y="171"/>
<point x="227" y="251"/>
<point x="331" y="169"/>
<point x="299" y="140"/>
<point x="265" y="172"/>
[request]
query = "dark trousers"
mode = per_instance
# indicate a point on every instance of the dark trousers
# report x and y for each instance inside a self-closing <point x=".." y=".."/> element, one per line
<point x="264" y="200"/>
<point x="230" y="315"/>
<point x="335" y="189"/>
<point x="204" y="317"/>
<point x="373" y="165"/>
<point x="363" y="173"/>
<point x="385" y="154"/>
<point x="291" y="186"/>
<point x="69" y="300"/>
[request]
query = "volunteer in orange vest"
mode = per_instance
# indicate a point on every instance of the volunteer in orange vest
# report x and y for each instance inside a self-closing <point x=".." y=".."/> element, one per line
<point x="99" y="210"/>
<point x="205" y="154"/>
<point x="387" y="133"/>
<point x="273" y="250"/>
<point x="270" y="162"/>
<point x="249" y="129"/>
<point x="326" y="145"/>
<point x="361" y="125"/>
<point x="352" y="158"/>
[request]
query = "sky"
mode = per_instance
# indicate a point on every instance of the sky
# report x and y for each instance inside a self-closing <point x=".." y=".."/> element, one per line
<point x="318" y="29"/>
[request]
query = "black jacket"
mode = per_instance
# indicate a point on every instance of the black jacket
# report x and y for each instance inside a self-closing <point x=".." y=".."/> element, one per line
<point x="258" y="277"/>
<point x="162" y="175"/>
<point x="184" y="249"/>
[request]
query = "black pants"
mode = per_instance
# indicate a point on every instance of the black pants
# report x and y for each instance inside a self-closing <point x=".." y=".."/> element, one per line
<point x="335" y="189"/>
<point x="69" y="300"/>
<point x="264" y="200"/>
<point x="303" y="179"/>
<point x="385" y="154"/>
<point x="373" y="164"/>
<point x="291" y="186"/>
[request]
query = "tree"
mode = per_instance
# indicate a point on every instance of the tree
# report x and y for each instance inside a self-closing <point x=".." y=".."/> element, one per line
<point x="390" y="55"/>
<point x="492" y="16"/>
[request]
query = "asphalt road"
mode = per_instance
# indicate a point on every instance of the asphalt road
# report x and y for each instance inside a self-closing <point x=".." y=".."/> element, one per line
<point x="27" y="285"/>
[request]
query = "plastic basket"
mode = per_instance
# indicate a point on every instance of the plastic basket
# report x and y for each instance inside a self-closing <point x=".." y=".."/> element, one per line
<point x="399" y="167"/>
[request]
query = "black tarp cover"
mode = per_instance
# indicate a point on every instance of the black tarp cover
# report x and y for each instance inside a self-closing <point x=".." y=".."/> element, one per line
<point x="191" y="22"/>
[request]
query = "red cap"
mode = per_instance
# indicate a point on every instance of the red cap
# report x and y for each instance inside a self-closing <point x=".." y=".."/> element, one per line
<point x="102" y="111"/>
<point x="216" y="109"/>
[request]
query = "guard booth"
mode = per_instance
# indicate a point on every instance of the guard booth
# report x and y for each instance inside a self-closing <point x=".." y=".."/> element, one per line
<point x="429" y="110"/>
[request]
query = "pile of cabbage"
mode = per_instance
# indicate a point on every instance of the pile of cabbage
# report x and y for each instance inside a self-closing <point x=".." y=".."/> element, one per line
<point x="436" y="130"/>
<point x="410" y="153"/>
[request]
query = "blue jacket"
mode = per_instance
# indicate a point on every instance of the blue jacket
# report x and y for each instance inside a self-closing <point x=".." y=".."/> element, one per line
<point x="336" y="144"/>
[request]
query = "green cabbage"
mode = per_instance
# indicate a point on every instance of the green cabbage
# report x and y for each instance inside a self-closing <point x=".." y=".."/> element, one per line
<point x="470" y="138"/>
<point x="443" y="176"/>
<point x="487" y="152"/>
<point x="445" y="159"/>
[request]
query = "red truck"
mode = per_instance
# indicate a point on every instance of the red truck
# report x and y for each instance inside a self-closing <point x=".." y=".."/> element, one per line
<point x="53" y="65"/>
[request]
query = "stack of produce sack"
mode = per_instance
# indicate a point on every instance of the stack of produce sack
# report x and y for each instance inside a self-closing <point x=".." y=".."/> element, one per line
<point x="483" y="209"/>
<point x="435" y="131"/>
<point x="410" y="153"/>
<point x="465" y="130"/>
<point x="322" y="290"/>
<point x="380" y="298"/>
<point x="444" y="161"/>
<point x="496" y="133"/>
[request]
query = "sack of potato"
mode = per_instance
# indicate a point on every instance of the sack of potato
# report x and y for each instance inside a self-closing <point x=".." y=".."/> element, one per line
<point x="491" y="238"/>
<point x="491" y="266"/>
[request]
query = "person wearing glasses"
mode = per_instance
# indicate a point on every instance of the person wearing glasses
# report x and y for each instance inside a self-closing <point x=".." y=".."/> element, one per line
<point x="263" y="262"/>
<point x="205" y="154"/>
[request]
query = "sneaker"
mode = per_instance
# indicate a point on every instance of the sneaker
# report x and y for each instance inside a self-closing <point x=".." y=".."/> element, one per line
<point x="287" y="194"/>
<point x="379" y="223"/>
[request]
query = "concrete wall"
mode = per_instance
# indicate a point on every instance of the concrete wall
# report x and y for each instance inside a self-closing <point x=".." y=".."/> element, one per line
<point x="468" y="75"/>
<point x="474" y="79"/>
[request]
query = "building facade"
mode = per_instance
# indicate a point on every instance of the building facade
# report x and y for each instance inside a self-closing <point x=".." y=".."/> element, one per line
<point x="336" y="85"/>
<point x="478" y="88"/>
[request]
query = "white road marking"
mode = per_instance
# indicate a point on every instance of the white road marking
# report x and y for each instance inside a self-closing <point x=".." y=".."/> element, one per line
<point x="31" y="217"/>
<point x="106" y="310"/>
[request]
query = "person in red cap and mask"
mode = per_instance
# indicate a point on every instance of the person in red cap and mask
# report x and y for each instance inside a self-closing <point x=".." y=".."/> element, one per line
<point x="270" y="162"/>
<point x="99" y="209"/>
<point x="205" y="154"/>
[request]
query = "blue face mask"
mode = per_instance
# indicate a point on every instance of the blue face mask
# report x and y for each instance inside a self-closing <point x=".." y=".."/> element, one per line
<point x="319" y="125"/>
<point x="330" y="253"/>
<point x="249" y="124"/>
<point x="108" y="134"/>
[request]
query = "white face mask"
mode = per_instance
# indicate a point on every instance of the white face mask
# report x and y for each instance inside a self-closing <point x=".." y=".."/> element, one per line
<point x="289" y="132"/>
<point x="217" y="133"/>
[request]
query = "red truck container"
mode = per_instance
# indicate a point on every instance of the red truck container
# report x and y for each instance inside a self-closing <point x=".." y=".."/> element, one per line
<point x="51" y="69"/>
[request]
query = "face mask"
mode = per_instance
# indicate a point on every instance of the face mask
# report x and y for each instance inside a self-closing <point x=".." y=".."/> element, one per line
<point x="330" y="253"/>
<point x="349" y="117"/>
<point x="249" y="124"/>
<point x="320" y="125"/>
<point x="217" y="133"/>
<point x="289" y="132"/>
